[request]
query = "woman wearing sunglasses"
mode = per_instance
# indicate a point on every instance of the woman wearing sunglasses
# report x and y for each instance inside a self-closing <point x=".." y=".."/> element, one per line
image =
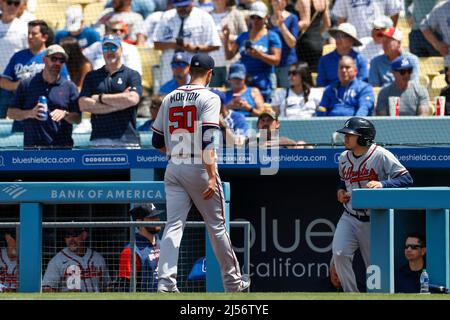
<point x="260" y="49"/>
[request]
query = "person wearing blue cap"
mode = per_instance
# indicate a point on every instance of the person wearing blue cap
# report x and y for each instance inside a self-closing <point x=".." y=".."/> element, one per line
<point x="147" y="252"/>
<point x="414" y="98"/>
<point x="180" y="70"/>
<point x="241" y="98"/>
<point x="111" y="95"/>
<point x="232" y="124"/>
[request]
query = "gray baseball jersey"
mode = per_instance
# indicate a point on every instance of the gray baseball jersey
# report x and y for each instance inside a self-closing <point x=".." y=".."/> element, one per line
<point x="182" y="113"/>
<point x="353" y="229"/>
<point x="67" y="271"/>
<point x="8" y="271"/>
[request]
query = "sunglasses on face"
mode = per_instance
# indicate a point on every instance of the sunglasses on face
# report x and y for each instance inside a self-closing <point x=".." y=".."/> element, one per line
<point x="56" y="59"/>
<point x="405" y="71"/>
<point x="15" y="3"/>
<point x="413" y="246"/>
<point x="110" y="48"/>
<point x="292" y="73"/>
<point x="253" y="17"/>
<point x="341" y="36"/>
<point x="178" y="65"/>
<point x="118" y="30"/>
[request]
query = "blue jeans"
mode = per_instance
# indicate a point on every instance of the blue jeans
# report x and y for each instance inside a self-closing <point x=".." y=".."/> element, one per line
<point x="420" y="46"/>
<point x="5" y="98"/>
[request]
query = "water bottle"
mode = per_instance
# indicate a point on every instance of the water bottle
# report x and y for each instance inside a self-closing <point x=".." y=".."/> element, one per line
<point x="424" y="282"/>
<point x="43" y="115"/>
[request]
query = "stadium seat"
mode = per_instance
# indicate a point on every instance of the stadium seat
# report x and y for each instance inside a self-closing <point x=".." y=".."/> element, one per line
<point x="424" y="80"/>
<point x="92" y="11"/>
<point x="431" y="66"/>
<point x="439" y="82"/>
<point x="149" y="58"/>
<point x="314" y="77"/>
<point x="328" y="48"/>
<point x="53" y="13"/>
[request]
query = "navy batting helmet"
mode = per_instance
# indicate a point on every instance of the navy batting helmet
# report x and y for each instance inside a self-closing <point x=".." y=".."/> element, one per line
<point x="144" y="210"/>
<point x="360" y="127"/>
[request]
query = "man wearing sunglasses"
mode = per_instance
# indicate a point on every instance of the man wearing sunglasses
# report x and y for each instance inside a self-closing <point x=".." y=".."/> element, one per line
<point x="111" y="95"/>
<point x="407" y="277"/>
<point x="414" y="98"/>
<point x="76" y="268"/>
<point x="372" y="46"/>
<point x="56" y="130"/>
<point x="380" y="73"/>
<point x="180" y="71"/>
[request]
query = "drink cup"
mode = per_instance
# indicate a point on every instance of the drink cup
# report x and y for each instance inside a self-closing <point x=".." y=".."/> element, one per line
<point x="394" y="106"/>
<point x="439" y="103"/>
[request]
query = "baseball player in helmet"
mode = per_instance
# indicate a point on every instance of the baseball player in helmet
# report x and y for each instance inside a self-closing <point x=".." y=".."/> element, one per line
<point x="362" y="165"/>
<point x="147" y="245"/>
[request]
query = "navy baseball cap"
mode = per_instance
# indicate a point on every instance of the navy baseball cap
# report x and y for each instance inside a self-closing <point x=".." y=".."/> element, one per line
<point x="202" y="60"/>
<point x="220" y="94"/>
<point x="144" y="210"/>
<point x="181" y="3"/>
<point x="113" y="39"/>
<point x="401" y="63"/>
<point x="181" y="57"/>
<point x="72" y="232"/>
<point x="237" y="70"/>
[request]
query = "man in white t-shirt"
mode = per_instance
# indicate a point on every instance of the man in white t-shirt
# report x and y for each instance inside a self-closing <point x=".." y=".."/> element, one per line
<point x="130" y="54"/>
<point x="362" y="13"/>
<point x="184" y="28"/>
<point x="13" y="38"/>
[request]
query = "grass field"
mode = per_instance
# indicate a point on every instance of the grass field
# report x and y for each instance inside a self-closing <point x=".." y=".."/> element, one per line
<point x="222" y="296"/>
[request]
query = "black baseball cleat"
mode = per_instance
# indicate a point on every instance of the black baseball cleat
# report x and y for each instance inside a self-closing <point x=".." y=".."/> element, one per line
<point x="244" y="286"/>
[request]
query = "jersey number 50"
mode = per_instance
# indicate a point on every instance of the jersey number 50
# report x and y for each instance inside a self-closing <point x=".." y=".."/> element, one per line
<point x="182" y="118"/>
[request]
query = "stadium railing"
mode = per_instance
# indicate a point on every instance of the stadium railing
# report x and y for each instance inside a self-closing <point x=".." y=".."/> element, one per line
<point x="383" y="203"/>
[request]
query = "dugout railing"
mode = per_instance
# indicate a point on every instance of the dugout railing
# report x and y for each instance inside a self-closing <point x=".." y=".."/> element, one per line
<point x="384" y="204"/>
<point x="31" y="196"/>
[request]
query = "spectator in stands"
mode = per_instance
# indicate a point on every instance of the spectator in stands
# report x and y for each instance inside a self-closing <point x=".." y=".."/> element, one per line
<point x="147" y="244"/>
<point x="13" y="38"/>
<point x="111" y="94"/>
<point x="260" y="50"/>
<point x="314" y="20"/>
<point x="268" y="127"/>
<point x="121" y="11"/>
<point x="24" y="14"/>
<point x="130" y="54"/>
<point x="180" y="70"/>
<point x="40" y="131"/>
<point x="228" y="20"/>
<point x="232" y="124"/>
<point x="346" y="38"/>
<point x="438" y="21"/>
<point x="184" y="28"/>
<point x="75" y="28"/>
<point x="380" y="73"/>
<point x="76" y="268"/>
<point x="300" y="99"/>
<point x="446" y="93"/>
<point x="8" y="263"/>
<point x="373" y="46"/>
<point x="155" y="104"/>
<point x="349" y="96"/>
<point x="143" y="7"/>
<point x="418" y="44"/>
<point x="241" y="98"/>
<point x="407" y="277"/>
<point x="285" y="24"/>
<point x="77" y="64"/>
<point x="413" y="96"/>
<point x="362" y="13"/>
<point x="27" y="62"/>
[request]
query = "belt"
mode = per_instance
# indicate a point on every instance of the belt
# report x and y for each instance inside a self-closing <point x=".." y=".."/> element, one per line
<point x="360" y="218"/>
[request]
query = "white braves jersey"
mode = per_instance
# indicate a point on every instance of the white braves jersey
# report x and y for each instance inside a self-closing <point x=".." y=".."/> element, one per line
<point x="70" y="272"/>
<point x="362" y="13"/>
<point x="8" y="270"/>
<point x="181" y="116"/>
<point x="198" y="29"/>
<point x="377" y="164"/>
